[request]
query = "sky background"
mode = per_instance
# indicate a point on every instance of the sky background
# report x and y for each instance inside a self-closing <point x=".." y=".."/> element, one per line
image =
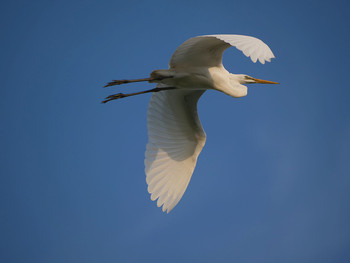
<point x="272" y="183"/>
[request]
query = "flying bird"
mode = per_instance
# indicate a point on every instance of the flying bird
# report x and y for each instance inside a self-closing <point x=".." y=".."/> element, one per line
<point x="175" y="134"/>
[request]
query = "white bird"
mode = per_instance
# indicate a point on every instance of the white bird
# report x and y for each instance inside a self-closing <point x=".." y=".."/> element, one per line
<point x="175" y="134"/>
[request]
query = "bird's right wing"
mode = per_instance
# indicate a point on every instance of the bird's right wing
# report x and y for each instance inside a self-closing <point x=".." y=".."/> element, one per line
<point x="175" y="139"/>
<point x="206" y="51"/>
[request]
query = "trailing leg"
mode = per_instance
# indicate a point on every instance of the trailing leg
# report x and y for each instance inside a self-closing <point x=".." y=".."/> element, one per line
<point x="156" y="76"/>
<point x="124" y="81"/>
<point x="122" y="95"/>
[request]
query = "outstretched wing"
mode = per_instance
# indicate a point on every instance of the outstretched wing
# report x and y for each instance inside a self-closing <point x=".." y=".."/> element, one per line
<point x="175" y="139"/>
<point x="206" y="51"/>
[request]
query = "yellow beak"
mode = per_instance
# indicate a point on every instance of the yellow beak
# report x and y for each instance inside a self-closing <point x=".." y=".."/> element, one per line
<point x="264" y="81"/>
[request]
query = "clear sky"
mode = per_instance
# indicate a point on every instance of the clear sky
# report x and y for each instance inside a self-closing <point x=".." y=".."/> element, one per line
<point x="272" y="183"/>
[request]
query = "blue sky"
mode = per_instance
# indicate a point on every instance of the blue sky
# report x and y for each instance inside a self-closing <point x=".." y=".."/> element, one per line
<point x="271" y="184"/>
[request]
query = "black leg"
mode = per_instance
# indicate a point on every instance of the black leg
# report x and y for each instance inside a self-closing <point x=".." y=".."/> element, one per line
<point x="122" y="95"/>
<point x="125" y="81"/>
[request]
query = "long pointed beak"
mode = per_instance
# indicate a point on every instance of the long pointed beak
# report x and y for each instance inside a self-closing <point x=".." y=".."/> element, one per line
<point x="264" y="81"/>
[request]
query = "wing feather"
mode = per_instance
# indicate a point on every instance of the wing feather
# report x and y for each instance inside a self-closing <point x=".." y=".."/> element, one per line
<point x="175" y="134"/>
<point x="176" y="138"/>
<point x="206" y="51"/>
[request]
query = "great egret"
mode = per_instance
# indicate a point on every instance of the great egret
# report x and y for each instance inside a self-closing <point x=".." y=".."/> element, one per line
<point x="175" y="134"/>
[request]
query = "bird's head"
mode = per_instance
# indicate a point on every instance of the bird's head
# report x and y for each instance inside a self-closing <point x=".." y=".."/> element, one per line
<point x="245" y="79"/>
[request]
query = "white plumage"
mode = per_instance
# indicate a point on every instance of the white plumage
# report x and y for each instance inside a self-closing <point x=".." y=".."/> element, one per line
<point x="207" y="50"/>
<point x="175" y="134"/>
<point x="175" y="139"/>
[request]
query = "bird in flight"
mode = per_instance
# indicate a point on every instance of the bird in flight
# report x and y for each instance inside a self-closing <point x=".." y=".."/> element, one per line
<point x="175" y="134"/>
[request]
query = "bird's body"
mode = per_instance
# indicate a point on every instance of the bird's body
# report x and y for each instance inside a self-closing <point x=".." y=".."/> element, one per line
<point x="201" y="78"/>
<point x="176" y="136"/>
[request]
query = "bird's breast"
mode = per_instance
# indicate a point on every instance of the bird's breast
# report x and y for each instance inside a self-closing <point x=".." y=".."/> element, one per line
<point x="223" y="82"/>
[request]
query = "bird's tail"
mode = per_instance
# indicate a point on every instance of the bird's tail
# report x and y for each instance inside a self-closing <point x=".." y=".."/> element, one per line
<point x="160" y="74"/>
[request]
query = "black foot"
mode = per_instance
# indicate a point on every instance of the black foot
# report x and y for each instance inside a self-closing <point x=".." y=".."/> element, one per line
<point x="114" y="97"/>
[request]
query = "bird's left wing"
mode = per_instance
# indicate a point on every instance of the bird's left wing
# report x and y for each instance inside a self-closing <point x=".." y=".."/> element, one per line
<point x="175" y="139"/>
<point x="206" y="51"/>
